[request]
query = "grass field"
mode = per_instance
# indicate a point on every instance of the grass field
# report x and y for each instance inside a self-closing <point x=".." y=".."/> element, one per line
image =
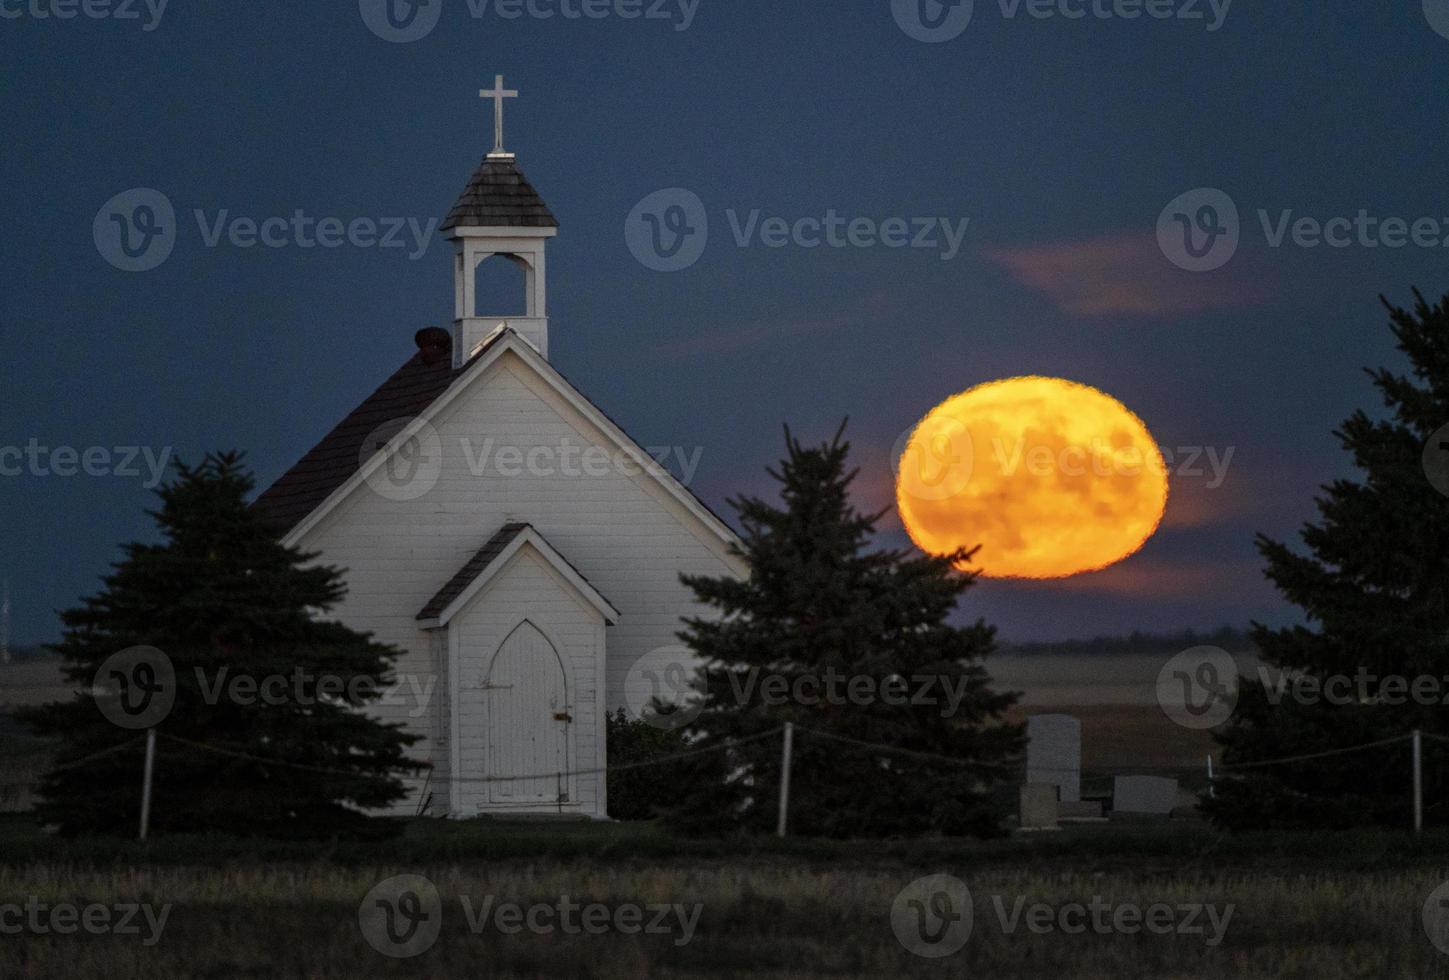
<point x="1319" y="906"/>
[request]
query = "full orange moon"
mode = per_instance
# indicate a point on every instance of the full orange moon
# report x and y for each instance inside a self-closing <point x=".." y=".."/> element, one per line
<point x="1051" y="478"/>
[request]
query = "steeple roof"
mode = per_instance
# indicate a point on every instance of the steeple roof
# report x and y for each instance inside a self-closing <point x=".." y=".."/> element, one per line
<point x="498" y="195"/>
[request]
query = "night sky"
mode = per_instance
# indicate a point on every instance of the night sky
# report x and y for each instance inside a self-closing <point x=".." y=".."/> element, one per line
<point x="1061" y="139"/>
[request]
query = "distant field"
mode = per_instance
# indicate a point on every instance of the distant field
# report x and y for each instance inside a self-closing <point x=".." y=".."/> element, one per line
<point x="23" y="758"/>
<point x="1115" y="696"/>
<point x="31" y="683"/>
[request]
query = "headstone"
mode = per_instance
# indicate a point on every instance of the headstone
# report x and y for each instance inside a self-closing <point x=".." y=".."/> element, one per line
<point x="1144" y="794"/>
<point x="1054" y="754"/>
<point x="1086" y="811"/>
<point x="1038" y="806"/>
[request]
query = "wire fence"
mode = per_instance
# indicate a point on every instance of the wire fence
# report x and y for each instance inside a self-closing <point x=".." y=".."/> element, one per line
<point x="15" y="795"/>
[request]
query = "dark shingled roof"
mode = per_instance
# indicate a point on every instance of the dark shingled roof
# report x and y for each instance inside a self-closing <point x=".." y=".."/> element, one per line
<point x="471" y="571"/>
<point x="341" y="453"/>
<point x="500" y="196"/>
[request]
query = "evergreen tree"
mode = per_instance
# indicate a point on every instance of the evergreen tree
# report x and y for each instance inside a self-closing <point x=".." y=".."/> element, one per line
<point x="1374" y="589"/>
<point x="830" y="623"/>
<point x="229" y="607"/>
<point x="639" y="790"/>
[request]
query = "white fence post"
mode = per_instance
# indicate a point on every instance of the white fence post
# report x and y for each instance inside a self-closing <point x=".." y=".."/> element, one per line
<point x="785" y="779"/>
<point x="146" y="782"/>
<point x="1418" y="782"/>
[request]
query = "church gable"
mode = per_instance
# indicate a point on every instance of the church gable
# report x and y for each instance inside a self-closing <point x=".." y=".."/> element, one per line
<point x="506" y="421"/>
<point x="491" y="559"/>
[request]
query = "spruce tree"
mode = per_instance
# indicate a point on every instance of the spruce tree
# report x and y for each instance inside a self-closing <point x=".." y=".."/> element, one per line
<point x="229" y="607"/>
<point x="859" y="643"/>
<point x="1373" y="586"/>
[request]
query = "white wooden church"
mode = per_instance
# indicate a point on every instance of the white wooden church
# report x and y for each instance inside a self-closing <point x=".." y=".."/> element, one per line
<point x="521" y="595"/>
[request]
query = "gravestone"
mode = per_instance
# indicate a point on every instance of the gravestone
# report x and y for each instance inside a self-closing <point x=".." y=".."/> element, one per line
<point x="1054" y="754"/>
<point x="1144" y="794"/>
<point x="1087" y="811"/>
<point x="1039" y="806"/>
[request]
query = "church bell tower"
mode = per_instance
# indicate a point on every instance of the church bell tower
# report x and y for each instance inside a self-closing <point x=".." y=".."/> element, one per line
<point x="499" y="216"/>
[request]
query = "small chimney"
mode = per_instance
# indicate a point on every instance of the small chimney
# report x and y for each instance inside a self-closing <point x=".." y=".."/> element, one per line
<point x="435" y="344"/>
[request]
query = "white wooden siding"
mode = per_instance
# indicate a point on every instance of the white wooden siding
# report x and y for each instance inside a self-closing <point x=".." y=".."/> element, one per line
<point x="622" y="531"/>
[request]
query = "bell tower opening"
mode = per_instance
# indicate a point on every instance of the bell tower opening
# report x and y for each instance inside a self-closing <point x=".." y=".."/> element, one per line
<point x="500" y="229"/>
<point x="500" y="287"/>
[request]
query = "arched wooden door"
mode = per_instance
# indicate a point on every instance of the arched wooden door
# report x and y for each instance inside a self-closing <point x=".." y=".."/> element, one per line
<point x="528" y="721"/>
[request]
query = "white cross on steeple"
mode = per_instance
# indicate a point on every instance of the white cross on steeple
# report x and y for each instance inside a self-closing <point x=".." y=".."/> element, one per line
<point x="498" y="93"/>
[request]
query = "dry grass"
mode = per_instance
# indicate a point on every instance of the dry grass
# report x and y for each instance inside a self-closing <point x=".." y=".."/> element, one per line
<point x="791" y="921"/>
